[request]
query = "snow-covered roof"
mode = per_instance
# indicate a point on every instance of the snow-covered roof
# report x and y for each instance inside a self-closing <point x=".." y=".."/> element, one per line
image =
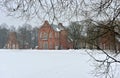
<point x="57" y="27"/>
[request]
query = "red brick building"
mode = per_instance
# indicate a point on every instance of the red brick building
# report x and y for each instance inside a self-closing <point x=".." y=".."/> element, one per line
<point x="12" y="42"/>
<point x="108" y="40"/>
<point x="52" y="36"/>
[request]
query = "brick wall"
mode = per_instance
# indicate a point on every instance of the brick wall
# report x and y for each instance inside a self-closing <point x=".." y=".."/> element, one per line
<point x="12" y="42"/>
<point x="48" y="38"/>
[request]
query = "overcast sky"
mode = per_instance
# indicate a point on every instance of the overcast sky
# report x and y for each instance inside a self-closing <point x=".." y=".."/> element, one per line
<point x="10" y="20"/>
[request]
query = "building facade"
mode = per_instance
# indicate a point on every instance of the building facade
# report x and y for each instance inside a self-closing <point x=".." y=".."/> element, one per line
<point x="12" y="42"/>
<point x="52" y="36"/>
<point x="108" y="40"/>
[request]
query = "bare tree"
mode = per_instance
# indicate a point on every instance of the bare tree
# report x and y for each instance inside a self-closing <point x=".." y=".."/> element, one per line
<point x="57" y="10"/>
<point x="54" y="10"/>
<point x="62" y="9"/>
<point x="25" y="36"/>
<point x="75" y="34"/>
<point x="3" y="35"/>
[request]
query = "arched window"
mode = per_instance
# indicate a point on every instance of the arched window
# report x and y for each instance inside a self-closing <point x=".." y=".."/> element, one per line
<point x="50" y="44"/>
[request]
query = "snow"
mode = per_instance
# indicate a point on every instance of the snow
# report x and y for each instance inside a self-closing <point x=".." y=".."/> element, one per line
<point x="57" y="29"/>
<point x="45" y="64"/>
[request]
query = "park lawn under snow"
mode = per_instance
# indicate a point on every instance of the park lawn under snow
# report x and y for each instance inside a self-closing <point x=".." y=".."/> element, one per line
<point x="45" y="64"/>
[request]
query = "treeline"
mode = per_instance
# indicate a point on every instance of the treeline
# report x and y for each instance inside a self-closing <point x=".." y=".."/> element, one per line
<point x="95" y="34"/>
<point x="82" y="34"/>
<point x="26" y="35"/>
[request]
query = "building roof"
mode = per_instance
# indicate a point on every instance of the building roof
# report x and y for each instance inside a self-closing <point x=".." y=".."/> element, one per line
<point x="57" y="28"/>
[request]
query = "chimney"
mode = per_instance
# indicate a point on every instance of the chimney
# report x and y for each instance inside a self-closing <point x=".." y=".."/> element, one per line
<point x="46" y="23"/>
<point x="60" y="24"/>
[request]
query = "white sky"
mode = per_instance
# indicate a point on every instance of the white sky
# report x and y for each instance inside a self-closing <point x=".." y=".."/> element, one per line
<point x="12" y="21"/>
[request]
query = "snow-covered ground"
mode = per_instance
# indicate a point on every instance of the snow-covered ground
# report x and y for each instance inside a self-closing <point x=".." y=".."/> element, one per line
<point x="45" y="64"/>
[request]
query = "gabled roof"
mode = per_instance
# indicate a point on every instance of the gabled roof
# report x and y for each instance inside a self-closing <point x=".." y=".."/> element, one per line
<point x="57" y="28"/>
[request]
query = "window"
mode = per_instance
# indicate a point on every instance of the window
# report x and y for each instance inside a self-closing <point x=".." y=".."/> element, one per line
<point x="13" y="46"/>
<point x="56" y="34"/>
<point x="40" y="44"/>
<point x="16" y="46"/>
<point x="104" y="46"/>
<point x="50" y="35"/>
<point x="41" y="35"/>
<point x="56" y="43"/>
<point x="8" y="45"/>
<point x="50" y="45"/>
<point x="45" y="36"/>
<point x="45" y="45"/>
